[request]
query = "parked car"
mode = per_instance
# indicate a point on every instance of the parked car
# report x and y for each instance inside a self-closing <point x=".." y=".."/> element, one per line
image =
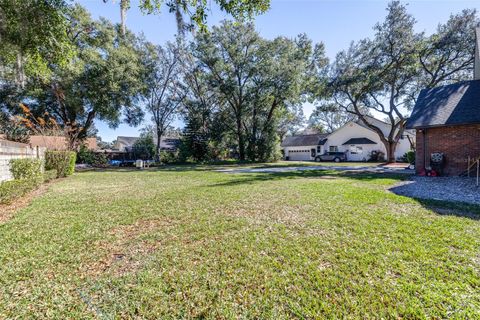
<point x="332" y="156"/>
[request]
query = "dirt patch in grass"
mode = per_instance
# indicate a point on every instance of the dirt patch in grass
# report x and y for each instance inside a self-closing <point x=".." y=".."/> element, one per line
<point x="129" y="249"/>
<point x="7" y="211"/>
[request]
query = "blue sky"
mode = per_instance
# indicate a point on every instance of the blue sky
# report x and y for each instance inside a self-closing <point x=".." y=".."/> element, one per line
<point x="334" y="22"/>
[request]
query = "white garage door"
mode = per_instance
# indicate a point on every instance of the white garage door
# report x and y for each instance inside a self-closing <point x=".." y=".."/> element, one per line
<point x="299" y="155"/>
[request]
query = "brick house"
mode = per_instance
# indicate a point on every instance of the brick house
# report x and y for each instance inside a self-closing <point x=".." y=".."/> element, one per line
<point x="447" y="120"/>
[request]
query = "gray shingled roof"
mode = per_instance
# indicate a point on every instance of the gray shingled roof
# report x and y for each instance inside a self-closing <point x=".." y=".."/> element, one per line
<point x="359" y="141"/>
<point x="305" y="140"/>
<point x="166" y="143"/>
<point x="455" y="104"/>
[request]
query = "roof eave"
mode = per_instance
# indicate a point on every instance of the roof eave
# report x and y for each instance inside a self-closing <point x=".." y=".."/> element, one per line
<point x="441" y="125"/>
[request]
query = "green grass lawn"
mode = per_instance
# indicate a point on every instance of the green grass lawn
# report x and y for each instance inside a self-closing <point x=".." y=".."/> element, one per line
<point x="186" y="242"/>
<point x="304" y="164"/>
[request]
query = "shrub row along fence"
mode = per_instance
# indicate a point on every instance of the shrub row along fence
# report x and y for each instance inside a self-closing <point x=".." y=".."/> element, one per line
<point x="13" y="150"/>
<point x="29" y="173"/>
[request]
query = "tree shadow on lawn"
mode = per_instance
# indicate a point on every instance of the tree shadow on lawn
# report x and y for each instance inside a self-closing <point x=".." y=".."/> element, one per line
<point x="175" y="168"/>
<point x="251" y="178"/>
<point x="444" y="208"/>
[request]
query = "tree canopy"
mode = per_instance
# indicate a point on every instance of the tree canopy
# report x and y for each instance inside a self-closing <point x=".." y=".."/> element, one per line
<point x="197" y="10"/>
<point x="383" y="75"/>
<point x="103" y="80"/>
<point x="255" y="80"/>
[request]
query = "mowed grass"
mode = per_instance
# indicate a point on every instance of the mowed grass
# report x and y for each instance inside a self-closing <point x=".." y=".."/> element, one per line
<point x="186" y="242"/>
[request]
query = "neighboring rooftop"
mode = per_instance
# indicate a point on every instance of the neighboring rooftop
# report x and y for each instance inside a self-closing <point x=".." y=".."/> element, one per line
<point x="455" y="104"/>
<point x="126" y="143"/>
<point x="305" y="140"/>
<point x="359" y="141"/>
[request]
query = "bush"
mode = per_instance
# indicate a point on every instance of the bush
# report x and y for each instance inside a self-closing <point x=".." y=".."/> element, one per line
<point x="96" y="159"/>
<point x="26" y="168"/>
<point x="410" y="157"/>
<point x="84" y="155"/>
<point x="376" y="156"/>
<point x="169" y="157"/>
<point x="10" y="190"/>
<point x="144" y="148"/>
<point x="49" y="175"/>
<point x="62" y="161"/>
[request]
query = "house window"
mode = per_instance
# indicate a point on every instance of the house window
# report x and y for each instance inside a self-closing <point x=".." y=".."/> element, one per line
<point x="356" y="150"/>
<point x="319" y="149"/>
<point x="333" y="149"/>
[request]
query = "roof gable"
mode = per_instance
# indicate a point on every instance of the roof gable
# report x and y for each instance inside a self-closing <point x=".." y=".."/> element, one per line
<point x="455" y="104"/>
<point x="359" y="141"/>
<point x="304" y="140"/>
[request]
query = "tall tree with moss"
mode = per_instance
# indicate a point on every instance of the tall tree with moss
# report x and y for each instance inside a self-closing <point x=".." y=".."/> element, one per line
<point x="447" y="56"/>
<point x="164" y="89"/>
<point x="383" y="75"/>
<point x="33" y="35"/>
<point x="196" y="11"/>
<point x="102" y="81"/>
<point x="255" y="81"/>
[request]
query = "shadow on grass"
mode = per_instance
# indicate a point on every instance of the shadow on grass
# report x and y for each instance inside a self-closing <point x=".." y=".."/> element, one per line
<point x="447" y="208"/>
<point x="176" y="168"/>
<point x="444" y="208"/>
<point x="251" y="178"/>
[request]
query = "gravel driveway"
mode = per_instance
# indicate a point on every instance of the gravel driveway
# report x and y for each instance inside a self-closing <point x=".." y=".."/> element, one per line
<point x="440" y="188"/>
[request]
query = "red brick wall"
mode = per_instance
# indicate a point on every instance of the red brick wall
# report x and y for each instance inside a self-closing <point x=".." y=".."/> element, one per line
<point x="456" y="142"/>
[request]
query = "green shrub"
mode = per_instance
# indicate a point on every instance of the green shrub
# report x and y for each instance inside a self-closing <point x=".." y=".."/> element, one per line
<point x="49" y="175"/>
<point x="62" y="161"/>
<point x="10" y="190"/>
<point x="26" y="168"/>
<point x="84" y="155"/>
<point x="96" y="159"/>
<point x="99" y="160"/>
<point x="376" y="156"/>
<point x="410" y="157"/>
<point x="169" y="157"/>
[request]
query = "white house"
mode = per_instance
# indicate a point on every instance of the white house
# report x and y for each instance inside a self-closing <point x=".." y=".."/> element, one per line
<point x="354" y="138"/>
<point x="303" y="147"/>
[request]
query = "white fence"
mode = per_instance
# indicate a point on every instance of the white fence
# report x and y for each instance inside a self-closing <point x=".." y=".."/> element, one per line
<point x="13" y="150"/>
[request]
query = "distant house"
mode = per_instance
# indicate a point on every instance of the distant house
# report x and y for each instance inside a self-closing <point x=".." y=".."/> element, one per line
<point x="125" y="144"/>
<point x="59" y="142"/>
<point x="56" y="142"/>
<point x="354" y="138"/>
<point x="303" y="147"/>
<point x="447" y="120"/>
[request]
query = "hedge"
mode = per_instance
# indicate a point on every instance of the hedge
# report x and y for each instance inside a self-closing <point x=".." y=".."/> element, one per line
<point x="26" y="168"/>
<point x="49" y="175"/>
<point x="62" y="161"/>
<point x="28" y="176"/>
<point x="9" y="190"/>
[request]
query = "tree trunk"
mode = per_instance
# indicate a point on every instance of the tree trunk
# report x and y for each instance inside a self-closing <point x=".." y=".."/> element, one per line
<point x="20" y="71"/>
<point x="159" y="145"/>
<point x="123" y="15"/>
<point x="390" y="148"/>
<point x="241" y="141"/>
<point x="253" y="141"/>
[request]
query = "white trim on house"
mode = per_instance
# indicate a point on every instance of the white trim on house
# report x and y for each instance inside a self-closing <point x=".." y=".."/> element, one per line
<point x="367" y="142"/>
